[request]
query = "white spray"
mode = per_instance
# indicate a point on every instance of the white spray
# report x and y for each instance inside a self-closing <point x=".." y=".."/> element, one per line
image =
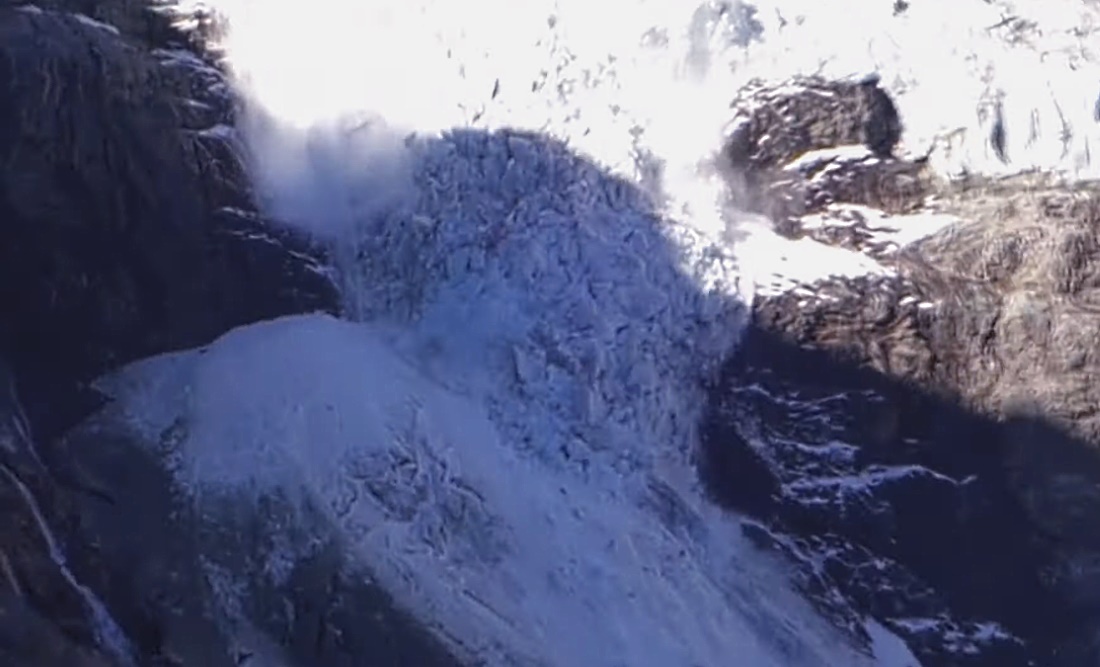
<point x="637" y="82"/>
<point x="629" y="83"/>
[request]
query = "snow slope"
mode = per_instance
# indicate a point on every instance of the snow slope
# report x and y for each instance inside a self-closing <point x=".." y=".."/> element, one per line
<point x="517" y="561"/>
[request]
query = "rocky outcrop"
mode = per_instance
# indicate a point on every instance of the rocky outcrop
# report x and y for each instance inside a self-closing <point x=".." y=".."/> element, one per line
<point x="126" y="229"/>
<point x="125" y="234"/>
<point x="772" y="157"/>
<point x="924" y="439"/>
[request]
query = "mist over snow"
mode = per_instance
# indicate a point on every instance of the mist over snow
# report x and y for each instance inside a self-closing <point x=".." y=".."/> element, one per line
<point x="951" y="65"/>
<point x="542" y="270"/>
<point x="644" y="85"/>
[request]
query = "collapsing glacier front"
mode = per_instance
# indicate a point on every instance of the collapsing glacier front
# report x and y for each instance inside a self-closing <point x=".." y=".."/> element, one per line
<point x="506" y="447"/>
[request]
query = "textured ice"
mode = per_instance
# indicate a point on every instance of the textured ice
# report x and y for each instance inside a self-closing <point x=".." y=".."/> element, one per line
<point x="515" y="559"/>
<point x="507" y="445"/>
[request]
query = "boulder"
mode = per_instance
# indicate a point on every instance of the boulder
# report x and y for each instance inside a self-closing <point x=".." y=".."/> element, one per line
<point x="798" y="148"/>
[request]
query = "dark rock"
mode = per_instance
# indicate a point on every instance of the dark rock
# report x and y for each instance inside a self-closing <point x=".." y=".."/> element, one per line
<point x="29" y="640"/>
<point x="126" y="229"/>
<point x="934" y="431"/>
<point x="998" y="136"/>
<point x="881" y="507"/>
<point x="114" y="220"/>
<point x="802" y="146"/>
<point x="776" y="124"/>
<point x="881" y="124"/>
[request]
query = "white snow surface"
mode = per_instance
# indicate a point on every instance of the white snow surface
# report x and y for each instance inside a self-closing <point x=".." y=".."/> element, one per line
<point x="518" y="561"/>
<point x="890" y="651"/>
<point x="642" y="87"/>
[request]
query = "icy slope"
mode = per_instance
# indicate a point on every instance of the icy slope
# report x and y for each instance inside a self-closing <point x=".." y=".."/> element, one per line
<point x="516" y="562"/>
<point x="508" y="448"/>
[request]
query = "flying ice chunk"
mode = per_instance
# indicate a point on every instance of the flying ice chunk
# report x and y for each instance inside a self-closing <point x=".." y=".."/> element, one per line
<point x="89" y="21"/>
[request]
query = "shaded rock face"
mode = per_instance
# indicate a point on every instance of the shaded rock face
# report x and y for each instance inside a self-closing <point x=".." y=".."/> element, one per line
<point x="126" y="228"/>
<point x="924" y="441"/>
<point x="27" y="639"/>
<point x="125" y="235"/>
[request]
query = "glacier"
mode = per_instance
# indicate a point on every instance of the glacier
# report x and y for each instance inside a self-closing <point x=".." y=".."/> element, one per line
<point x="505" y="437"/>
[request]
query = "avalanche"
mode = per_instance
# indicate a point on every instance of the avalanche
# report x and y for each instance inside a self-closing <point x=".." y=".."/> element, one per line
<point x="505" y="442"/>
<point x="541" y="276"/>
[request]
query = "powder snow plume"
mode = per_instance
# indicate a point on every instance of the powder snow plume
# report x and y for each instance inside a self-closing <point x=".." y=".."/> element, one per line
<point x="643" y="86"/>
<point x="640" y="86"/>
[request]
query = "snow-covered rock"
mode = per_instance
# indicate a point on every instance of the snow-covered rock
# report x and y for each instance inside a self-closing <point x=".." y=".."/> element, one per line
<point x="920" y="437"/>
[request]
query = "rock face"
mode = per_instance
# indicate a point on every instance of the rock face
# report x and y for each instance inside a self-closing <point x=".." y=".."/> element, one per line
<point x="772" y="127"/>
<point x="125" y="233"/>
<point x="924" y="440"/>
<point x="126" y="228"/>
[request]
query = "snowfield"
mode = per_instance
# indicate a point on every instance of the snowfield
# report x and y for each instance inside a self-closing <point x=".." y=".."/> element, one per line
<point x="510" y="559"/>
